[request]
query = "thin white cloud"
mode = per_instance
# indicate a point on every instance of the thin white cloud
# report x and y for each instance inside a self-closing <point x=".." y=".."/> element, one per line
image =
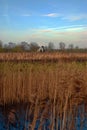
<point x="63" y="28"/>
<point x="72" y="27"/>
<point x="75" y="29"/>
<point x="69" y="17"/>
<point x="52" y="15"/>
<point x="46" y="30"/>
<point x="39" y="35"/>
<point x="75" y="17"/>
<point x="66" y="32"/>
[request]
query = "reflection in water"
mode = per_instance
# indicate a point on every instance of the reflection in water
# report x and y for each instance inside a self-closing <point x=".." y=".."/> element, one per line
<point x="21" y="119"/>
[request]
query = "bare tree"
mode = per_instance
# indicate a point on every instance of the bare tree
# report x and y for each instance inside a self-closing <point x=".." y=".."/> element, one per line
<point x="50" y="46"/>
<point x="11" y="45"/>
<point x="25" y="46"/>
<point x="71" y="46"/>
<point x="34" y="46"/>
<point x="1" y="43"/>
<point x="62" y="46"/>
<point x="77" y="47"/>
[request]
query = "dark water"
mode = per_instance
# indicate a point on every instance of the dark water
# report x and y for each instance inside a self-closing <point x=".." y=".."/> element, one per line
<point x="22" y="123"/>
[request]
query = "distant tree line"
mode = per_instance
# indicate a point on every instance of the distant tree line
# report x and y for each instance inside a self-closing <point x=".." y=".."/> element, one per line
<point x="33" y="47"/>
<point x="24" y="46"/>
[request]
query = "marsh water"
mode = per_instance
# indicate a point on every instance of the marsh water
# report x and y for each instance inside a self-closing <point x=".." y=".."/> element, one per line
<point x="22" y="121"/>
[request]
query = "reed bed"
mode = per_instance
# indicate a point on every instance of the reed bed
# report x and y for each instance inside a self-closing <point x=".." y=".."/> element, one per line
<point x="47" y="56"/>
<point x="52" y="91"/>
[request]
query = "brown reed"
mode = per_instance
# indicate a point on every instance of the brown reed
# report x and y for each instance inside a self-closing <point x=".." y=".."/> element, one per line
<point x="47" y="56"/>
<point x="54" y="87"/>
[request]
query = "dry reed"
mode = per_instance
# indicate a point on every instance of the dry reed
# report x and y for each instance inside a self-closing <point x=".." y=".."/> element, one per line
<point x="50" y="87"/>
<point x="47" y="56"/>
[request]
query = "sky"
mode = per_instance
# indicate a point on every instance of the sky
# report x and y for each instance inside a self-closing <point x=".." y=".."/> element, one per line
<point x="44" y="21"/>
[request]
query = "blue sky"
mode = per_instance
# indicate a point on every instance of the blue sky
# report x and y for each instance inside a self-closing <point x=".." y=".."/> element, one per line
<point x="43" y="21"/>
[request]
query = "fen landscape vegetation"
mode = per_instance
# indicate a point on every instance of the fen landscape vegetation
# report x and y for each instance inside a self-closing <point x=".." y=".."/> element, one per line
<point x="43" y="91"/>
<point x="43" y="64"/>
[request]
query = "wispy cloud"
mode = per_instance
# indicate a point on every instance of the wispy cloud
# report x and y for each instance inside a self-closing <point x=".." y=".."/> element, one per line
<point x="75" y="17"/>
<point x="52" y="15"/>
<point x="68" y="34"/>
<point x="75" y="29"/>
<point x="46" y="30"/>
<point x="59" y="31"/>
<point x="69" y="17"/>
<point x="66" y="28"/>
<point x="72" y="27"/>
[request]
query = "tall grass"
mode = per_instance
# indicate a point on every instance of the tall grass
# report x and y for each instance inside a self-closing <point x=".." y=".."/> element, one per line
<point x="47" y="56"/>
<point x="55" y="88"/>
